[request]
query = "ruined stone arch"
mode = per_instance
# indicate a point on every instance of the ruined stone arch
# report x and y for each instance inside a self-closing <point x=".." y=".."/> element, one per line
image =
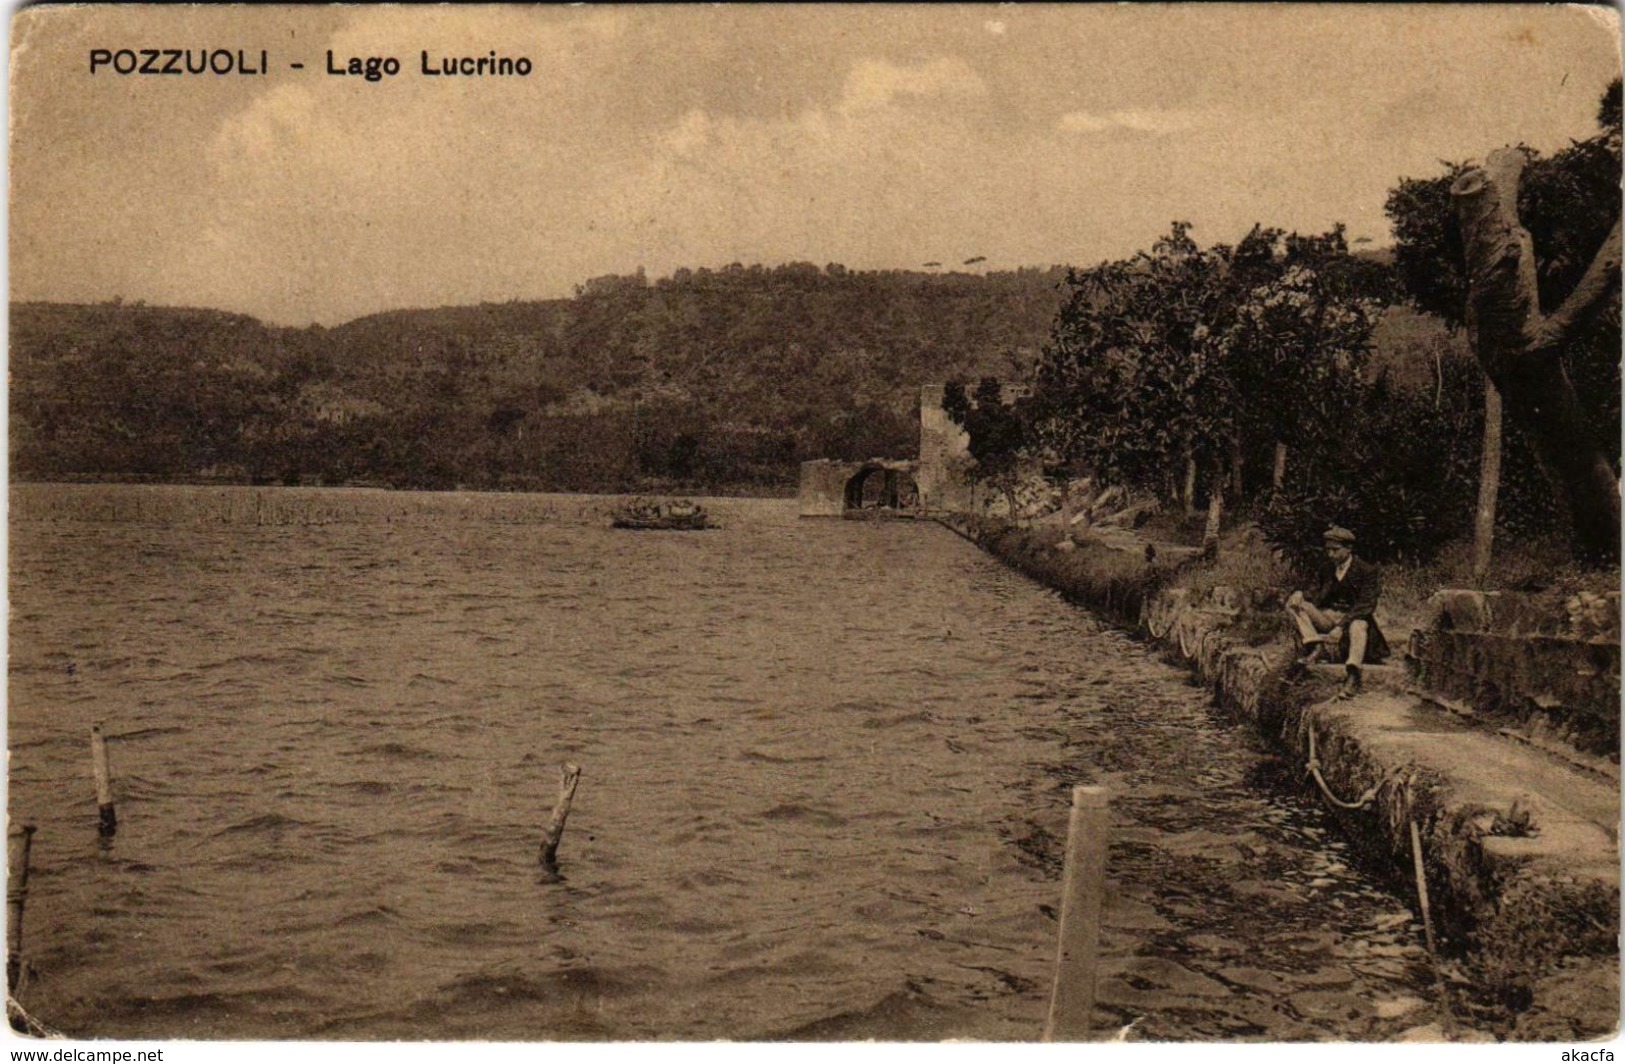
<point x="895" y="489"/>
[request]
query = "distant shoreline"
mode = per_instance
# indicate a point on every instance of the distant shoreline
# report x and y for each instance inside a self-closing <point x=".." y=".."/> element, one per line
<point x="139" y="480"/>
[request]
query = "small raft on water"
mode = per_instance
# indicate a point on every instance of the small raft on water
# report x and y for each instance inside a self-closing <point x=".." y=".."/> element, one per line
<point x="679" y="515"/>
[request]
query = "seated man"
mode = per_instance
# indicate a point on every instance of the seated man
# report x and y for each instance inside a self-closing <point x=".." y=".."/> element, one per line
<point x="1340" y="613"/>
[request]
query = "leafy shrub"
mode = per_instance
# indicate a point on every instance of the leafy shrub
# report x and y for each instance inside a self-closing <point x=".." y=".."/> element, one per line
<point x="1403" y="477"/>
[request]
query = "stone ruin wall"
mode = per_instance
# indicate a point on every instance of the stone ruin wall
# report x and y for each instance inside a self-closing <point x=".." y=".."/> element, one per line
<point x="944" y="457"/>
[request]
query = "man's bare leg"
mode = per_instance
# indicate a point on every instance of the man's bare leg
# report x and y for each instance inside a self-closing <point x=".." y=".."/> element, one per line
<point x="1359" y="632"/>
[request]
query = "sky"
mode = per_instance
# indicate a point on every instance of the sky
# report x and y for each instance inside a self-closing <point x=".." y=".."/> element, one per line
<point x="875" y="136"/>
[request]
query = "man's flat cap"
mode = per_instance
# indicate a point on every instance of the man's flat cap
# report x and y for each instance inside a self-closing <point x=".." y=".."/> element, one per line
<point x="1338" y="534"/>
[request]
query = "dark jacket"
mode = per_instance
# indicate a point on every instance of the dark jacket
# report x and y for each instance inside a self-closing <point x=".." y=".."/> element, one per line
<point x="1355" y="596"/>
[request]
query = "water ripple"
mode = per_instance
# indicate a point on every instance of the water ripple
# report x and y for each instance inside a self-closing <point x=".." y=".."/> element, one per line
<point x="825" y="775"/>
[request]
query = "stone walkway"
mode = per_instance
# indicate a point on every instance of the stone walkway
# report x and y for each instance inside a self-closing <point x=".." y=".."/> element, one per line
<point x="1520" y="835"/>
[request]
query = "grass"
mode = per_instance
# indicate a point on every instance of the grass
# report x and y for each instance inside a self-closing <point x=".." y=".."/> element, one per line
<point x="1246" y="562"/>
<point x="1542" y="568"/>
<point x="1171" y="524"/>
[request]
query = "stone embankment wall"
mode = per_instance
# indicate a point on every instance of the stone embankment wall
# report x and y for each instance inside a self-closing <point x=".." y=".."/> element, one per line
<point x="1529" y="926"/>
<point x="1551" y="675"/>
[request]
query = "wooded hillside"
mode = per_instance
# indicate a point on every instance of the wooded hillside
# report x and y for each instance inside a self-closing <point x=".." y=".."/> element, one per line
<point x="720" y="380"/>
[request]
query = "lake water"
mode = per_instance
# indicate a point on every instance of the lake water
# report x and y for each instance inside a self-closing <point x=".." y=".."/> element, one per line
<point x="826" y="768"/>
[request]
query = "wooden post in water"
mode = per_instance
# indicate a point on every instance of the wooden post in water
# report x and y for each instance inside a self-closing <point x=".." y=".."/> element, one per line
<point x="561" y="812"/>
<point x="104" y="783"/>
<point x="1082" y="884"/>
<point x="16" y="899"/>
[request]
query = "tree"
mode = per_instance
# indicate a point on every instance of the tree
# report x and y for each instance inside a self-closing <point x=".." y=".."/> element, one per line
<point x="1430" y="263"/>
<point x="1487" y="247"/>
<point x="1301" y="331"/>
<point x="1181" y="360"/>
<point x="998" y="433"/>
<point x="1489" y="483"/>
<point x="1521" y="348"/>
<point x="1124" y="386"/>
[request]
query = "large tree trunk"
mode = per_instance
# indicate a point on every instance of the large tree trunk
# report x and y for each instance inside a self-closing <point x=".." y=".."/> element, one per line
<point x="1278" y="472"/>
<point x="1520" y="348"/>
<point x="1489" y="483"/>
<point x="1189" y="497"/>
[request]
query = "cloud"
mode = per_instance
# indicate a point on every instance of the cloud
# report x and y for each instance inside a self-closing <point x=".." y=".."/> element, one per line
<point x="415" y="191"/>
<point x="700" y="135"/>
<point x="459" y="190"/>
<point x="874" y="174"/>
<point x="875" y="83"/>
<point x="1155" y="121"/>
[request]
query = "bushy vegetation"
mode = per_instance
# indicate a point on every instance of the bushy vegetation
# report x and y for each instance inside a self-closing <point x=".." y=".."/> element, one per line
<point x="998" y="435"/>
<point x="1567" y="201"/>
<point x="717" y="380"/>
<point x="1244" y="370"/>
<point x="1257" y="374"/>
<point x="1166" y="370"/>
<point x="1398" y="477"/>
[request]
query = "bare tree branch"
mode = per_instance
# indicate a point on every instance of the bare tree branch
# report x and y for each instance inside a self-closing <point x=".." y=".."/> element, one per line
<point x="1501" y="262"/>
<point x="1601" y="278"/>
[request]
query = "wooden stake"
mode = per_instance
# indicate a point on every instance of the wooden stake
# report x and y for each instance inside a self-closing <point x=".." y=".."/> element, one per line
<point x="561" y="812"/>
<point x="1083" y="883"/>
<point x="1422" y="889"/>
<point x="16" y="899"/>
<point x="1446" y="1015"/>
<point x="104" y="782"/>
